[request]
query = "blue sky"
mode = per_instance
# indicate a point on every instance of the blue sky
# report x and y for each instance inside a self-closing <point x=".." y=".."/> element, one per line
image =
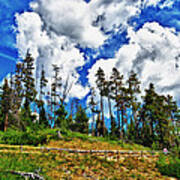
<point x="81" y="36"/>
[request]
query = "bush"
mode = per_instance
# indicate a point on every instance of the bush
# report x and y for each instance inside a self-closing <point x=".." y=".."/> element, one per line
<point x="169" y="168"/>
<point x="27" y="137"/>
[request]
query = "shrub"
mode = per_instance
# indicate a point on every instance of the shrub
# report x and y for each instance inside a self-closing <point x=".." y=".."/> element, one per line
<point x="28" y="137"/>
<point x="169" y="168"/>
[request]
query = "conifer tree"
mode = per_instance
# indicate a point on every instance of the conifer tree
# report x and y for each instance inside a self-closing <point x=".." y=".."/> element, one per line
<point x="92" y="105"/>
<point x="122" y="103"/>
<point x="61" y="120"/>
<point x="18" y="86"/>
<point x="148" y="115"/>
<point x="5" y="103"/>
<point x="98" y="129"/>
<point x="81" y="120"/>
<point x="55" y="88"/>
<point x="43" y="84"/>
<point x="17" y="93"/>
<point x="28" y="82"/>
<point x="109" y="95"/>
<point x="100" y="81"/>
<point x="116" y="89"/>
<point x="163" y="127"/>
<point x="133" y="90"/>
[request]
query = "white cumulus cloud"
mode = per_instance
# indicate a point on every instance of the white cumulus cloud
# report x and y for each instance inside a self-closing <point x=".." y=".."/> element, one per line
<point x="154" y="53"/>
<point x="70" y="18"/>
<point x="55" y="28"/>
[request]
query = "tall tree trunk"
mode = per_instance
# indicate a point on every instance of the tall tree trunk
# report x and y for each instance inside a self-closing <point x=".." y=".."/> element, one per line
<point x="93" y="132"/>
<point x="136" y="127"/>
<point x="118" y="114"/>
<point x="110" y="114"/>
<point x="6" y="122"/>
<point x="102" y="117"/>
<point x="151" y="128"/>
<point x="98" y="125"/>
<point x="122" y="121"/>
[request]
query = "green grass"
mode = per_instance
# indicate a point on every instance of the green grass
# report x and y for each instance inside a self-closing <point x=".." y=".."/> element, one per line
<point x="43" y="136"/>
<point x="60" y="165"/>
<point x="11" y="162"/>
<point x="29" y="137"/>
<point x="69" y="135"/>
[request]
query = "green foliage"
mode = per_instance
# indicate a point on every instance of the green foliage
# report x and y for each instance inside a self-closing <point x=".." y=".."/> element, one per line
<point x="61" y="120"/>
<point x="171" y="168"/>
<point x="81" y="121"/>
<point x="70" y="134"/>
<point x="28" y="81"/>
<point x="28" y="137"/>
<point x="42" y="116"/>
<point x="26" y="118"/>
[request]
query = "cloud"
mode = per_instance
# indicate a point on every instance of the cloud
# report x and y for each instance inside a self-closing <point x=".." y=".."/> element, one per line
<point x="55" y="29"/>
<point x="154" y="53"/>
<point x="152" y="2"/>
<point x="71" y="18"/>
<point x="49" y="50"/>
<point x="111" y="14"/>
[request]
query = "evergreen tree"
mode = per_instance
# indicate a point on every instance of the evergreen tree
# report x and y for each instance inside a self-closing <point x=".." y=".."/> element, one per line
<point x="98" y="129"/>
<point x="157" y="118"/>
<point x="61" y="120"/>
<point x="18" y="86"/>
<point x="116" y="89"/>
<point x="148" y="114"/>
<point x="92" y="105"/>
<point x="132" y="91"/>
<point x="122" y="103"/>
<point x="162" y="127"/>
<point x="28" y="82"/>
<point x="81" y="120"/>
<point x="42" y="112"/>
<point x="17" y="94"/>
<point x="55" y="88"/>
<point x="100" y="81"/>
<point x="5" y="103"/>
<point x="109" y="95"/>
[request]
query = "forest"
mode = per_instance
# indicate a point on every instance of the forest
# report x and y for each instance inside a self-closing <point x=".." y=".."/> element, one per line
<point x="151" y="119"/>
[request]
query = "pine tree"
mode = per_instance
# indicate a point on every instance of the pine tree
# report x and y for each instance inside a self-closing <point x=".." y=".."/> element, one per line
<point x="101" y="84"/>
<point x="116" y="89"/>
<point x="42" y="112"/>
<point x="122" y="103"/>
<point x="92" y="105"/>
<point x="156" y="116"/>
<point x="176" y="124"/>
<point x="18" y="86"/>
<point x="109" y="95"/>
<point x="61" y="120"/>
<point x="162" y="127"/>
<point x="133" y="90"/>
<point x="55" y="88"/>
<point x="5" y="103"/>
<point x="165" y="125"/>
<point x="17" y="93"/>
<point x="148" y="115"/>
<point x="28" y="82"/>
<point x="81" y="120"/>
<point x="98" y="129"/>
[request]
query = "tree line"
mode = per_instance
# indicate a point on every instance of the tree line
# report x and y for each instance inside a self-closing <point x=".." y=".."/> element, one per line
<point x="152" y="119"/>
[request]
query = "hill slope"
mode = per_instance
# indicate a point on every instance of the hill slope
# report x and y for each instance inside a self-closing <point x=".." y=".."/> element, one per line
<point x="55" y="164"/>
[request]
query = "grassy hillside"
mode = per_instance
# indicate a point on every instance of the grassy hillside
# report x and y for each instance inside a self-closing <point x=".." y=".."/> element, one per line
<point x="63" y="165"/>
